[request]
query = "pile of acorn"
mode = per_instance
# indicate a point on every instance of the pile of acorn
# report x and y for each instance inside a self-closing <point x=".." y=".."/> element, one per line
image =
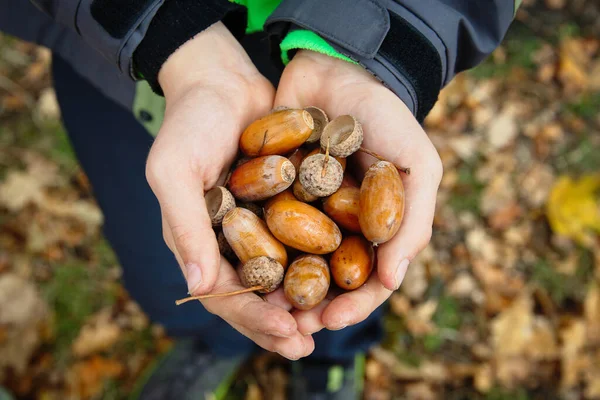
<point x="291" y="195"/>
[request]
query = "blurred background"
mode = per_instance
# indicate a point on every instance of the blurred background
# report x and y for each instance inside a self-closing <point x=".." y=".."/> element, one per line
<point x="503" y="304"/>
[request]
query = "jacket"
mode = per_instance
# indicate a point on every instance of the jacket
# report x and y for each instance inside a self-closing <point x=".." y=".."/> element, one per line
<point x="415" y="47"/>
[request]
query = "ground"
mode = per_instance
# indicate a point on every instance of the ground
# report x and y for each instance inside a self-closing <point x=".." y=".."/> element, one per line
<point x="503" y="304"/>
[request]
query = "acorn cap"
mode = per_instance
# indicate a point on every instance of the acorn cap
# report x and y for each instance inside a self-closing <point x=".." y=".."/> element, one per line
<point x="345" y="136"/>
<point x="320" y="120"/>
<point x="314" y="181"/>
<point x="225" y="249"/>
<point x="218" y="202"/>
<point x="262" y="271"/>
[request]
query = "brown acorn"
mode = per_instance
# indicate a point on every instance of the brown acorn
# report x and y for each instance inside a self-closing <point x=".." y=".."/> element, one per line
<point x="351" y="264"/>
<point x="343" y="135"/>
<point x="302" y="194"/>
<point x="262" y="271"/>
<point x="296" y="157"/>
<point x="381" y="202"/>
<point x="261" y="178"/>
<point x="321" y="175"/>
<point x="285" y="195"/>
<point x="342" y="207"/>
<point x="306" y="282"/>
<point x="218" y="203"/>
<point x="277" y="133"/>
<point x="320" y="121"/>
<point x="249" y="237"/>
<point x="303" y="227"/>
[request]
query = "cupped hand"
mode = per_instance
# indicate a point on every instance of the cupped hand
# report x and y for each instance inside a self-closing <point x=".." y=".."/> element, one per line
<point x="212" y="92"/>
<point x="390" y="129"/>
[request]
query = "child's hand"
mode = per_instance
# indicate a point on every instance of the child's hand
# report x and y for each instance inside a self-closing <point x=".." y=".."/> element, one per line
<point x="390" y="129"/>
<point x="212" y="91"/>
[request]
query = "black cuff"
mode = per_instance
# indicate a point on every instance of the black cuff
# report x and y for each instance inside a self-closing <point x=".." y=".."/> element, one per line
<point x="175" y="23"/>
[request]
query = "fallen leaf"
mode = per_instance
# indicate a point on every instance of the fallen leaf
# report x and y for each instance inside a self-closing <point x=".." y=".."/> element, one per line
<point x="573" y="62"/>
<point x="498" y="194"/>
<point x="420" y="391"/>
<point x="535" y="184"/>
<point x="47" y="106"/>
<point x="591" y="309"/>
<point x="23" y="315"/>
<point x="512" y="330"/>
<point x="85" y="379"/>
<point x="96" y="337"/>
<point x="484" y="378"/>
<point x="19" y="189"/>
<point x="573" y="363"/>
<point x="573" y="209"/>
<point x="502" y="130"/>
<point x="503" y="218"/>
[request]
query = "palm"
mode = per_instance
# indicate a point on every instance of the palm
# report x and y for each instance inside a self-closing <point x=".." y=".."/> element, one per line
<point x="390" y="129"/>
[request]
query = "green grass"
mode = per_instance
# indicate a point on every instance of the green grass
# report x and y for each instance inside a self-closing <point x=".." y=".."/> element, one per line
<point x="562" y="287"/>
<point x="499" y="393"/>
<point x="74" y="294"/>
<point x="585" y="106"/>
<point x="520" y="45"/>
<point x="467" y="194"/>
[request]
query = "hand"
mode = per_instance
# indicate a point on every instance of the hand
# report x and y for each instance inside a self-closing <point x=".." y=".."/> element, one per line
<point x="212" y="92"/>
<point x="390" y="129"/>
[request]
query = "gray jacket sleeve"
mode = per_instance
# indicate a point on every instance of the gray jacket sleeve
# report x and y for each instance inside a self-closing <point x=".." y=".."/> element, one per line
<point x="114" y="34"/>
<point x="138" y="33"/>
<point x="415" y="47"/>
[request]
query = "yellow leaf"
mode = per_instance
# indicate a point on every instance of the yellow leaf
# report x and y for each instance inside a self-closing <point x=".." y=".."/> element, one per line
<point x="573" y="208"/>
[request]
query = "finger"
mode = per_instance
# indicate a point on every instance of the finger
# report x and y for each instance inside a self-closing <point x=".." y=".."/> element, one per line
<point x="277" y="298"/>
<point x="292" y="348"/>
<point x="193" y="239"/>
<point x="310" y="321"/>
<point x="405" y="145"/>
<point x="248" y="309"/>
<point x="353" y="307"/>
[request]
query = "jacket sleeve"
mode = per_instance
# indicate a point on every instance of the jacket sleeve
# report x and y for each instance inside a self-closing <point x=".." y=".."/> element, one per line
<point x="137" y="36"/>
<point x="415" y="47"/>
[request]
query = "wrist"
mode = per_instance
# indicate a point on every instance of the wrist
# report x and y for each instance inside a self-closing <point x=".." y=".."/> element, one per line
<point x="210" y="56"/>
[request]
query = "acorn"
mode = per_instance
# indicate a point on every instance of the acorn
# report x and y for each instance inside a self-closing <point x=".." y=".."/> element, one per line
<point x="381" y="202"/>
<point x="255" y="208"/>
<point x="320" y="120"/>
<point x="285" y="195"/>
<point x="262" y="271"/>
<point x="225" y="249"/>
<point x="351" y="264"/>
<point x="219" y="201"/>
<point x="321" y="175"/>
<point x="277" y="133"/>
<point x="261" y="178"/>
<point x="249" y="237"/>
<point x="342" y="207"/>
<point x="303" y="227"/>
<point x="343" y="135"/>
<point x="302" y="194"/>
<point x="296" y="157"/>
<point x="306" y="282"/>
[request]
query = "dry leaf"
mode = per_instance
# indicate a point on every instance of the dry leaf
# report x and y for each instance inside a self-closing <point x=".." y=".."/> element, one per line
<point x="573" y="208"/>
<point x="95" y="338"/>
<point x="573" y="61"/>
<point x="502" y="130"/>
<point x="573" y="362"/>
<point x="498" y="194"/>
<point x="512" y="329"/>
<point x="592" y="313"/>
<point x="19" y="189"/>
<point x="23" y="315"/>
<point x="86" y="379"/>
<point x="484" y="378"/>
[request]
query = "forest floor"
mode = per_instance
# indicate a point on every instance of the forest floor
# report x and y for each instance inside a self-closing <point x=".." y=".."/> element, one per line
<point x="503" y="304"/>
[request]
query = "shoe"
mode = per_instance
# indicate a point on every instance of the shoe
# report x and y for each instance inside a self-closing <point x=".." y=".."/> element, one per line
<point x="312" y="380"/>
<point x="189" y="371"/>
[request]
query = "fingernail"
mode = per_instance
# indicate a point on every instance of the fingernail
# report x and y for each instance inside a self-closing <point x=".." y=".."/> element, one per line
<point x="400" y="272"/>
<point x="194" y="277"/>
<point x="339" y="328"/>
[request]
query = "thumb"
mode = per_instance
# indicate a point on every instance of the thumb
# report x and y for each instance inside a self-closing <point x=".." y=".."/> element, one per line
<point x="188" y="232"/>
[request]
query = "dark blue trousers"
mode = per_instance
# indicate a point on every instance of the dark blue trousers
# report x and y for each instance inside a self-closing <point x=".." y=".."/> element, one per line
<point x="112" y="148"/>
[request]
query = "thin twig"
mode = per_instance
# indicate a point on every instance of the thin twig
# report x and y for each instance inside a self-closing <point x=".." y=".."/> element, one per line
<point x="210" y="296"/>
<point x="381" y="158"/>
